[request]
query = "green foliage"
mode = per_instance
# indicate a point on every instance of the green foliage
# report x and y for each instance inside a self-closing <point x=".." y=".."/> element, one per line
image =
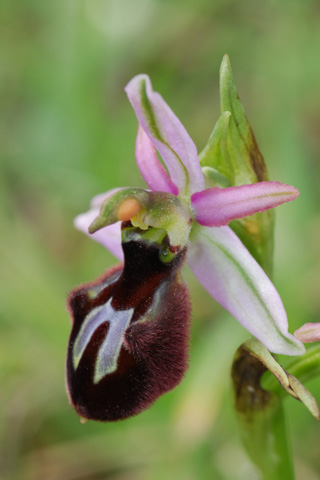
<point x="261" y="418"/>
<point x="232" y="157"/>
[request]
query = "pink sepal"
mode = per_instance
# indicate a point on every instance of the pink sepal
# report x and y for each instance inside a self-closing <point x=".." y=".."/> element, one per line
<point x="150" y="167"/>
<point x="231" y="275"/>
<point x="167" y="134"/>
<point x="215" y="207"/>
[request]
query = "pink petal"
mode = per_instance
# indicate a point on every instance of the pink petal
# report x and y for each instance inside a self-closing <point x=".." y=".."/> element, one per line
<point x="167" y="134"/>
<point x="308" y="333"/>
<point x="230" y="274"/>
<point x="150" y="167"/>
<point x="215" y="207"/>
<point x="109" y="237"/>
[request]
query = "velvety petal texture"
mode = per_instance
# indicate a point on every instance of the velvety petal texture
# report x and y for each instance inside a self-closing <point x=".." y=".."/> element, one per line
<point x="167" y="134"/>
<point x="231" y="275"/>
<point x="130" y="335"/>
<point x="308" y="333"/>
<point x="151" y="169"/>
<point x="215" y="207"/>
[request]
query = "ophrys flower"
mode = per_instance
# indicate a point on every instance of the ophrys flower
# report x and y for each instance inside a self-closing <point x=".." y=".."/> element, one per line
<point x="130" y="333"/>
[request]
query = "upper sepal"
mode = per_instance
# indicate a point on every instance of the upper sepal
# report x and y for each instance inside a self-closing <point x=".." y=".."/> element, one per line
<point x="167" y="134"/>
<point x="151" y="169"/>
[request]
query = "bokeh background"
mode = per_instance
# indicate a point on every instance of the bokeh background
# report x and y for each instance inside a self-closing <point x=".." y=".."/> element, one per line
<point x="67" y="132"/>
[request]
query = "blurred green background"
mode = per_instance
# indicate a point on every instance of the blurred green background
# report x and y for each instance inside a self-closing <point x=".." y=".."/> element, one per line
<point x="67" y="132"/>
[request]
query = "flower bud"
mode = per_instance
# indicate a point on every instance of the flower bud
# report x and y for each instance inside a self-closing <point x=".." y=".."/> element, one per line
<point x="130" y="332"/>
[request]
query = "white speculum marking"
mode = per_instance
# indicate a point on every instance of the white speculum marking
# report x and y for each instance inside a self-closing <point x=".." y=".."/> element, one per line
<point x="108" y="353"/>
<point x="94" y="291"/>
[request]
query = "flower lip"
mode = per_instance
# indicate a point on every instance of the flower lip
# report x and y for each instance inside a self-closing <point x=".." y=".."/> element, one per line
<point x="130" y="335"/>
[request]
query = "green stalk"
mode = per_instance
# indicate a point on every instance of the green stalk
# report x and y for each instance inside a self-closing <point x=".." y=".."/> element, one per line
<point x="261" y="418"/>
<point x="305" y="368"/>
<point x="233" y="152"/>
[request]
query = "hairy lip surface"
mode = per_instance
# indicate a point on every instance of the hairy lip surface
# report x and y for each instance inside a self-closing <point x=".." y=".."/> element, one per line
<point x="148" y="357"/>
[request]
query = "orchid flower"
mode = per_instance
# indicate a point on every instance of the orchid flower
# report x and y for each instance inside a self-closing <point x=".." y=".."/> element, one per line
<point x="129" y="340"/>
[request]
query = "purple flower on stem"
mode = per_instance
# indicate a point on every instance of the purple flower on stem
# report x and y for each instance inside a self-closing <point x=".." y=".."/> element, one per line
<point x="129" y="339"/>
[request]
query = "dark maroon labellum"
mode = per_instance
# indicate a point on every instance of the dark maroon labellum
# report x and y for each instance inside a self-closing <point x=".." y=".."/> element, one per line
<point x="130" y="335"/>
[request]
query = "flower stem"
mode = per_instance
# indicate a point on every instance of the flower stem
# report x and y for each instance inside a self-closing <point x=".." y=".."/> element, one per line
<point x="261" y="418"/>
<point x="305" y="368"/>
